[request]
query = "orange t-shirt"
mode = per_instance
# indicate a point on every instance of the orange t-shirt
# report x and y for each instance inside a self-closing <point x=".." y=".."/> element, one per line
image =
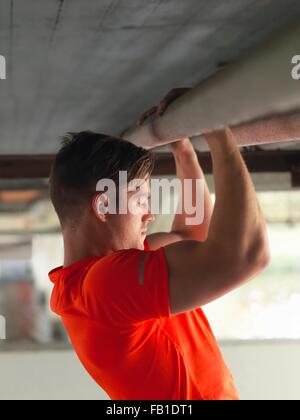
<point x="116" y="312"/>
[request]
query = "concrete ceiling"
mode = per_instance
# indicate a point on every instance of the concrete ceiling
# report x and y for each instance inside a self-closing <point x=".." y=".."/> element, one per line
<point x="74" y="65"/>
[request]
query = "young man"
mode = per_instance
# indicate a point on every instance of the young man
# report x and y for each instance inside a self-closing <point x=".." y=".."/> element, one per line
<point x="132" y="306"/>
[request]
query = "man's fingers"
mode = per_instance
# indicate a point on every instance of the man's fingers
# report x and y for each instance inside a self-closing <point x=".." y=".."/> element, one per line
<point x="169" y="98"/>
<point x="163" y="105"/>
<point x="145" y="115"/>
<point x="165" y="102"/>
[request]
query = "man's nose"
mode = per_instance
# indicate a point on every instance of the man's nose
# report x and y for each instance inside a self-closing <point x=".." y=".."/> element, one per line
<point x="150" y="216"/>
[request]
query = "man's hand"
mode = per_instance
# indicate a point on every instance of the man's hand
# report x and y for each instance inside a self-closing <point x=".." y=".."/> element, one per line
<point x="178" y="146"/>
<point x="163" y="105"/>
<point x="181" y="146"/>
<point x="187" y="167"/>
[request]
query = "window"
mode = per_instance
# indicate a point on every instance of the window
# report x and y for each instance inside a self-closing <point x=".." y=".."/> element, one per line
<point x="269" y="305"/>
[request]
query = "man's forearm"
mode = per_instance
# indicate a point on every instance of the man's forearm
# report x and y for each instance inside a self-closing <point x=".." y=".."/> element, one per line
<point x="237" y="222"/>
<point x="188" y="167"/>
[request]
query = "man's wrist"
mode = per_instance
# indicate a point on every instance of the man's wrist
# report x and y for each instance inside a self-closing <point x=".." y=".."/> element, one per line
<point x="185" y="154"/>
<point x="181" y="147"/>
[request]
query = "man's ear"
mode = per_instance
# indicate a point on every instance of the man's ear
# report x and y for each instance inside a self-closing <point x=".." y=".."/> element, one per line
<point x="100" y="206"/>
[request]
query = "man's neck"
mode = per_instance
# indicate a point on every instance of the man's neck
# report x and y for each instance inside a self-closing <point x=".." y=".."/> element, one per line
<point x="77" y="247"/>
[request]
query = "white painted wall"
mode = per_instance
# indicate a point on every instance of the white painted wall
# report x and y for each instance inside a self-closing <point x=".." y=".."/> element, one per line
<point x="45" y="375"/>
<point x="265" y="370"/>
<point x="262" y="370"/>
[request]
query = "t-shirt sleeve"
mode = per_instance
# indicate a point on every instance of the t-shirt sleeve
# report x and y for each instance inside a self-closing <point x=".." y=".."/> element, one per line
<point x="129" y="286"/>
<point x="146" y="245"/>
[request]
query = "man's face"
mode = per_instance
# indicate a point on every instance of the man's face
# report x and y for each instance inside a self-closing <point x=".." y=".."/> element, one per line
<point x="129" y="230"/>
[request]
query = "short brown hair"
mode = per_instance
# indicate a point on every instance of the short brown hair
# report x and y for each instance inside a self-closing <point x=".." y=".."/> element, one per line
<point x="83" y="160"/>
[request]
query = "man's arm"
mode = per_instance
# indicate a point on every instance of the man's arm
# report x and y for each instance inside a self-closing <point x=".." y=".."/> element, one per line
<point x="187" y="167"/>
<point x="237" y="245"/>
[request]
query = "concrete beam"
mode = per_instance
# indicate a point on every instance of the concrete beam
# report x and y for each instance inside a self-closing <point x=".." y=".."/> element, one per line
<point x="256" y="87"/>
<point x="38" y="166"/>
<point x="261" y="161"/>
<point x="22" y="167"/>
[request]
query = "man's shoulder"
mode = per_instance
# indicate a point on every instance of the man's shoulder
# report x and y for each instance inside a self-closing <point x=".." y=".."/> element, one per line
<point x="117" y="263"/>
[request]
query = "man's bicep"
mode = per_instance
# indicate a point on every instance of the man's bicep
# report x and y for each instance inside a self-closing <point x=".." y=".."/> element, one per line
<point x="161" y="239"/>
<point x="200" y="272"/>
